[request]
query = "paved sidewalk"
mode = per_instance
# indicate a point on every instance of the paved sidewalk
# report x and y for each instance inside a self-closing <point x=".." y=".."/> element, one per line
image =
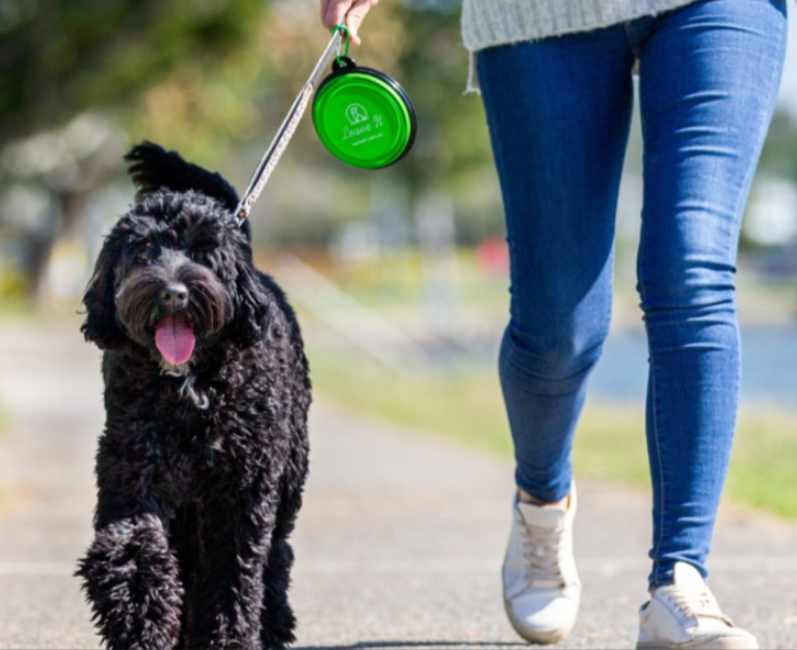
<point x="398" y="547"/>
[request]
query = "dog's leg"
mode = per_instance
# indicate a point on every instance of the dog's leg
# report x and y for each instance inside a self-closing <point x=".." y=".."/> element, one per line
<point x="224" y="605"/>
<point x="131" y="578"/>
<point x="278" y="621"/>
<point x="184" y="540"/>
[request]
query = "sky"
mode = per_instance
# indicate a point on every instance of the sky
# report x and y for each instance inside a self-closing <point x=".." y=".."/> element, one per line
<point x="788" y="87"/>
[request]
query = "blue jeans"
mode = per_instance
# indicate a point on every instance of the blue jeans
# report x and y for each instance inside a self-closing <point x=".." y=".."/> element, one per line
<point x="559" y="113"/>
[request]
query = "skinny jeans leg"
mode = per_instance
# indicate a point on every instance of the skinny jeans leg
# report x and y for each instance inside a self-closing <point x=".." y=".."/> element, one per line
<point x="709" y="76"/>
<point x="559" y="112"/>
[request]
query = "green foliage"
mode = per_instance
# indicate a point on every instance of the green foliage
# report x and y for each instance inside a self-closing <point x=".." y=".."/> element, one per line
<point x="61" y="57"/>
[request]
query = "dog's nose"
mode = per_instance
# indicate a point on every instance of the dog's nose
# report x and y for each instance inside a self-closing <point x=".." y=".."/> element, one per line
<point x="174" y="296"/>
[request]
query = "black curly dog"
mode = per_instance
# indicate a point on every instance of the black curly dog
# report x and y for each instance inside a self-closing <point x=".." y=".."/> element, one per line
<point x="203" y="459"/>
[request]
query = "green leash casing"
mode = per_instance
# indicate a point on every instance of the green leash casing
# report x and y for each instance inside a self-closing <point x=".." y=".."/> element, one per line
<point x="363" y="116"/>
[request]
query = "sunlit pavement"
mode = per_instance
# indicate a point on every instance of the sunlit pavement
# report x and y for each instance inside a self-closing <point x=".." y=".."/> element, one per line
<point x="399" y="544"/>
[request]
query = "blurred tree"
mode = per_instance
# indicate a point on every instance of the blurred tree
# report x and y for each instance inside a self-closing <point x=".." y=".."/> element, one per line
<point x="61" y="57"/>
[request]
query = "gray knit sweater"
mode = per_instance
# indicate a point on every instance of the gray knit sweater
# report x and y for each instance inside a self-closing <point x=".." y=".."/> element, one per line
<point x="486" y="23"/>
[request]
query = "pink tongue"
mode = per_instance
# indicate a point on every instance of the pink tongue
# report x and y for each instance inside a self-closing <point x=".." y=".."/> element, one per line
<point x="175" y="340"/>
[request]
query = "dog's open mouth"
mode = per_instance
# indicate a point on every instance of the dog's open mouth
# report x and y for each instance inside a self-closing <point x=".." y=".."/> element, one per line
<point x="174" y="338"/>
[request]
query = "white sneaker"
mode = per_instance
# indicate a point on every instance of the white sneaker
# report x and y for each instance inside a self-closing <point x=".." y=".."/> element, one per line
<point x="541" y="586"/>
<point x="685" y="614"/>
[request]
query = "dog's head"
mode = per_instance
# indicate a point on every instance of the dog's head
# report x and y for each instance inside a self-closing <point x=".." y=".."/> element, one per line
<point x="175" y="274"/>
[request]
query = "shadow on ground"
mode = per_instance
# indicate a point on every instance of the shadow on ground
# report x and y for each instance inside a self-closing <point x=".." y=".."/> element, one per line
<point x="418" y="645"/>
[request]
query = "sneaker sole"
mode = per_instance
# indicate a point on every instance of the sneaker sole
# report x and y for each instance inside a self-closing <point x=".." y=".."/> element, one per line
<point x="714" y="643"/>
<point x="546" y="637"/>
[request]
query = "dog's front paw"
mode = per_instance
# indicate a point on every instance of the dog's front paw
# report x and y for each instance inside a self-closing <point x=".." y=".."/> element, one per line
<point x="131" y="580"/>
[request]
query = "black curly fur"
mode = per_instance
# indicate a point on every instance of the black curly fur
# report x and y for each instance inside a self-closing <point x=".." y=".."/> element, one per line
<point x="152" y="168"/>
<point x="201" y="467"/>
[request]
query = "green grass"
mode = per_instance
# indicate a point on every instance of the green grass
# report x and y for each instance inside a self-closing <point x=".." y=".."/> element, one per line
<point x="466" y="407"/>
<point x="16" y="306"/>
<point x="763" y="467"/>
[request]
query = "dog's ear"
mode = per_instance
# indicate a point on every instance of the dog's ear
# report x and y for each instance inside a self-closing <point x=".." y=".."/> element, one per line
<point x="153" y="168"/>
<point x="101" y="326"/>
<point x="251" y="302"/>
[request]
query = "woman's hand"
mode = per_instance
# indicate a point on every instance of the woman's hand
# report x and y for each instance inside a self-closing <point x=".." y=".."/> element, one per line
<point x="350" y="12"/>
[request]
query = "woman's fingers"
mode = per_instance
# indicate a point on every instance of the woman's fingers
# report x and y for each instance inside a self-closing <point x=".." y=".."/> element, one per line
<point x="350" y="12"/>
<point x="334" y="11"/>
<point x="355" y="16"/>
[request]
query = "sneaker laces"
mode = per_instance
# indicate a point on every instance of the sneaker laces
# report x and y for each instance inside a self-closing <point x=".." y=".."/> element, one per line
<point x="541" y="552"/>
<point x="698" y="604"/>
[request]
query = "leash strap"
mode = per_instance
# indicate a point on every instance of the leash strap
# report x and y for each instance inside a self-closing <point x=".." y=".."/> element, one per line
<point x="284" y="134"/>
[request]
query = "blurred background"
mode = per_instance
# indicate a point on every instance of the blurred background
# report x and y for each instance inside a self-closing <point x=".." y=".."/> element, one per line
<point x="400" y="276"/>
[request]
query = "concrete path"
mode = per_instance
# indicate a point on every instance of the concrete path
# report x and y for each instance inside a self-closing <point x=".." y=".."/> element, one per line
<point x="398" y="547"/>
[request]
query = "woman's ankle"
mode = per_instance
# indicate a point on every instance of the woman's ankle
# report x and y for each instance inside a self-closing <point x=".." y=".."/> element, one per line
<point x="525" y="497"/>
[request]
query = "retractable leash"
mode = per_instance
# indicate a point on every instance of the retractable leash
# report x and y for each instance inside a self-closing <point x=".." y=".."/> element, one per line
<point x="362" y="116"/>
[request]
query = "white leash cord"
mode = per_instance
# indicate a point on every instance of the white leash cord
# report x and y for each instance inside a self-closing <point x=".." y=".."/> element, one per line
<point x="284" y="134"/>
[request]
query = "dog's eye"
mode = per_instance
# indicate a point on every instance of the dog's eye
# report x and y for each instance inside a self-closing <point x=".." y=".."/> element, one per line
<point x="144" y="256"/>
